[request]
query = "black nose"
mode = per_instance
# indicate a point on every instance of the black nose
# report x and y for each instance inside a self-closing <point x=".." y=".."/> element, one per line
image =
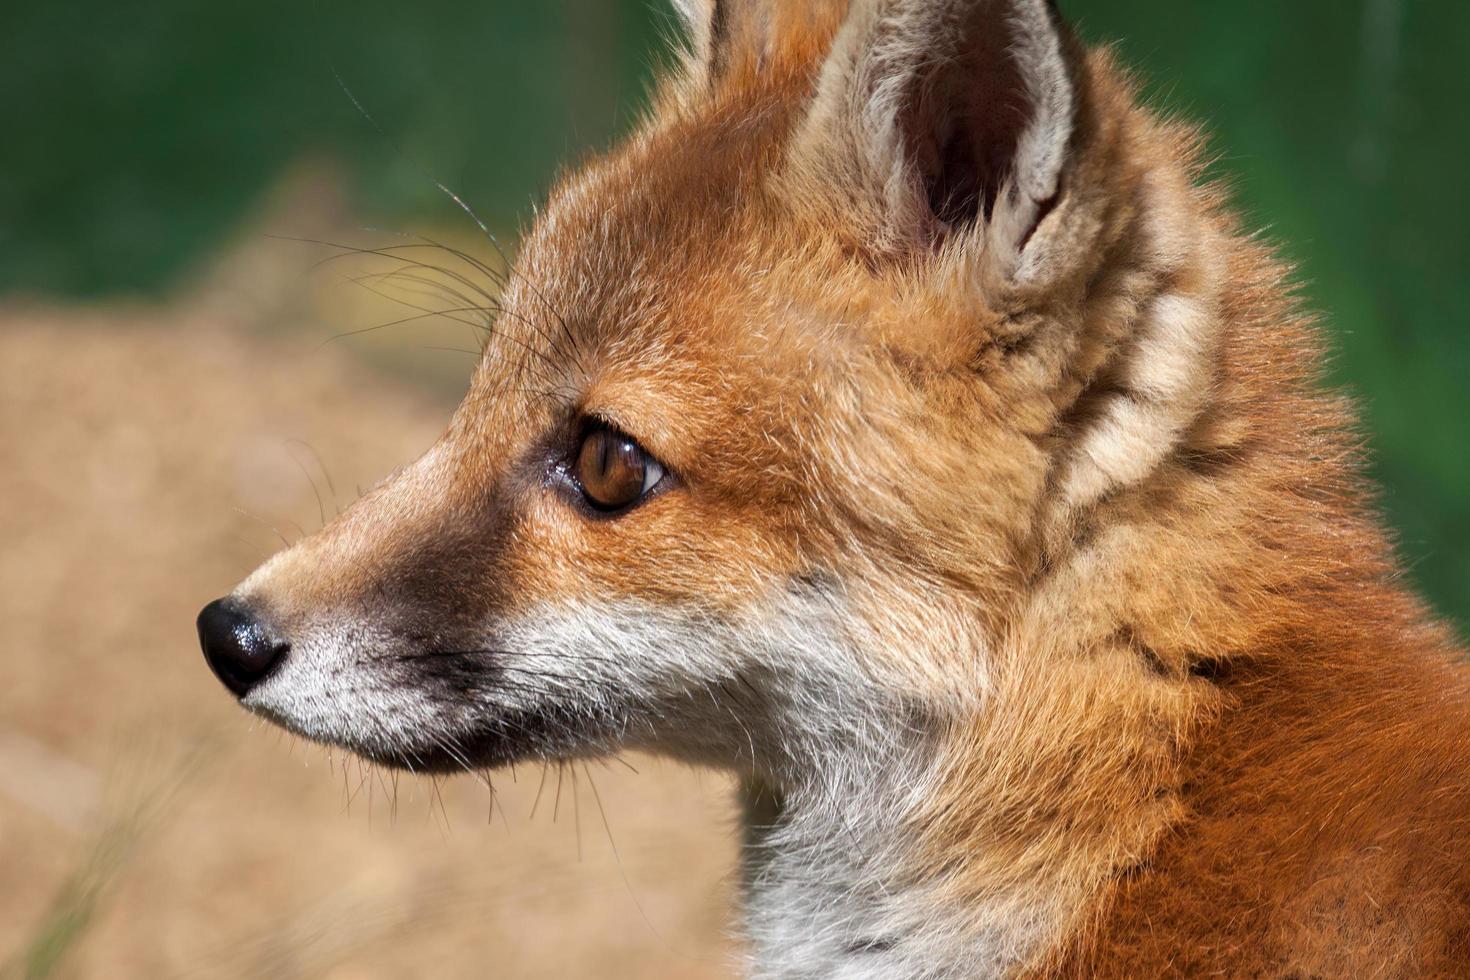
<point x="240" y="650"/>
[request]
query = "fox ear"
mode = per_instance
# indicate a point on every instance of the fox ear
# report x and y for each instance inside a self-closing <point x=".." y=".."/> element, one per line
<point x="940" y="116"/>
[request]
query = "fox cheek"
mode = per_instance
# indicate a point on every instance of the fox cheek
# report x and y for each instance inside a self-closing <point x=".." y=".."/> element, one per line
<point x="729" y="690"/>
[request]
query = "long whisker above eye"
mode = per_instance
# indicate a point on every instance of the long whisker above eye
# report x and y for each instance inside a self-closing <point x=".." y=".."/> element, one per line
<point x="432" y="288"/>
<point x="462" y="290"/>
<point x="505" y="282"/>
<point x="538" y="357"/>
<point x="401" y="275"/>
<point x="408" y="319"/>
<point x="463" y="205"/>
<point x="497" y="276"/>
<point x="393" y="252"/>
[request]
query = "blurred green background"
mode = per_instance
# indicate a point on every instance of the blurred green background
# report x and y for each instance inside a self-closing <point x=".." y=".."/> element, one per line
<point x="137" y="138"/>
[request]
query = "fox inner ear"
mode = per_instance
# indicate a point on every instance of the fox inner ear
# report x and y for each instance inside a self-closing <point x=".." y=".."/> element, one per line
<point x="946" y="115"/>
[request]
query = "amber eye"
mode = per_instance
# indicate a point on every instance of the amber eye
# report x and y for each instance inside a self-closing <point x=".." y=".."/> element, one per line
<point x="614" y="471"/>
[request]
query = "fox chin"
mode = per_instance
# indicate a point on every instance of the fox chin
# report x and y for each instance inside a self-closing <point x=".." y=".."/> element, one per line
<point x="897" y="418"/>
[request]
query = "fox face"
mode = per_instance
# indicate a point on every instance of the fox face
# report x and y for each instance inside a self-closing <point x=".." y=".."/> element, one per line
<point x="652" y="522"/>
<point x="801" y="446"/>
<point x="729" y="469"/>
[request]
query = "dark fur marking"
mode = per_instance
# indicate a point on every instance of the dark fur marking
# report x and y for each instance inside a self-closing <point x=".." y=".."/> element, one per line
<point x="880" y="944"/>
<point x="1208" y="462"/>
<point x="1212" y="669"/>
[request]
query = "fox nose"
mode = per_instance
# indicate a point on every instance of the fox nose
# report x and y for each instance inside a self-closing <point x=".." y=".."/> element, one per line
<point x="237" y="645"/>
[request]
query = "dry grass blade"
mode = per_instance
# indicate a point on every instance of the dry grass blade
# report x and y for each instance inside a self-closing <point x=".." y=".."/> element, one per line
<point x="144" y="805"/>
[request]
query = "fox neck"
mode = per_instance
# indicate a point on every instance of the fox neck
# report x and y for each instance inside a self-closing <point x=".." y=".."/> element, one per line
<point x="837" y="884"/>
<point x="975" y="848"/>
<point x="834" y="879"/>
<point x="819" y="865"/>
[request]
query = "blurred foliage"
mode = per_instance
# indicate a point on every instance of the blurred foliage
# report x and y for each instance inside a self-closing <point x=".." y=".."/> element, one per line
<point x="145" y="798"/>
<point x="138" y="136"/>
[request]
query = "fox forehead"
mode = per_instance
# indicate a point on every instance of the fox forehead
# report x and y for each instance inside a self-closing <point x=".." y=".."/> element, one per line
<point x="677" y="289"/>
<point x="641" y="297"/>
<point x="817" y="409"/>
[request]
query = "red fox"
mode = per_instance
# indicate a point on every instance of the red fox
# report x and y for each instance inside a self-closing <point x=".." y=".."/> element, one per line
<point x="898" y="420"/>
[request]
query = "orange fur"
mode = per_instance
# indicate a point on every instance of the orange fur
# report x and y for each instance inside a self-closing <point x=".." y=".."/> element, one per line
<point x="1102" y="521"/>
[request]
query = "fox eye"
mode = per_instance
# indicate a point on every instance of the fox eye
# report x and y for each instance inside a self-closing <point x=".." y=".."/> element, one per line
<point x="613" y="471"/>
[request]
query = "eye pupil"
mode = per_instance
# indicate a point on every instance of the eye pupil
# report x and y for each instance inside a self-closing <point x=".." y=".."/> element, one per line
<point x="612" y="469"/>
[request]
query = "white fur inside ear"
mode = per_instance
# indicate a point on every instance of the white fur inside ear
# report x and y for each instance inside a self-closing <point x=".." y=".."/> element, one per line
<point x="1042" y="151"/>
<point x="858" y="132"/>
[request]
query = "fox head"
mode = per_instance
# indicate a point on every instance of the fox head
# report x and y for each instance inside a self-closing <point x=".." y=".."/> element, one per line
<point x="796" y="404"/>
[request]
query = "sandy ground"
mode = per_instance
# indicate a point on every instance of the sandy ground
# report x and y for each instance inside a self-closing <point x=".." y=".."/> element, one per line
<point x="144" y="454"/>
